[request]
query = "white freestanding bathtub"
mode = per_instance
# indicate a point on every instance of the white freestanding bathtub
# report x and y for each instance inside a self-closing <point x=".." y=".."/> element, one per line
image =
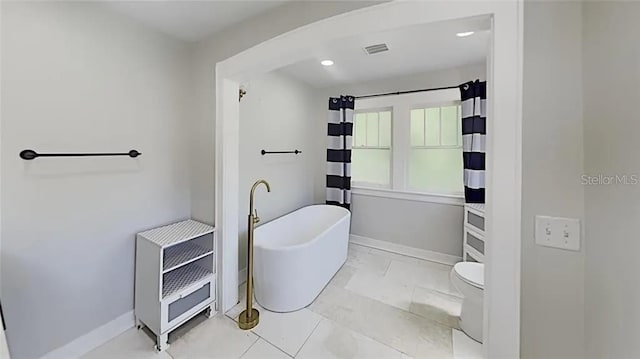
<point x="296" y="255"/>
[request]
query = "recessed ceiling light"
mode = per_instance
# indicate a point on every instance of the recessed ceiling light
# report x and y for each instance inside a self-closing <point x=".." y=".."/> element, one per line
<point x="464" y="34"/>
<point x="326" y="62"/>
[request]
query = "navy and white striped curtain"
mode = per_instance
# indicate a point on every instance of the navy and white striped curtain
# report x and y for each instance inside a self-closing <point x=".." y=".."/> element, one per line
<point x="339" y="131"/>
<point x="474" y="130"/>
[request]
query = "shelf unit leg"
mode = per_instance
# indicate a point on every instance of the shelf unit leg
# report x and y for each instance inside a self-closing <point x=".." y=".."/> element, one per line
<point x="139" y="324"/>
<point x="209" y="312"/>
<point x="162" y="342"/>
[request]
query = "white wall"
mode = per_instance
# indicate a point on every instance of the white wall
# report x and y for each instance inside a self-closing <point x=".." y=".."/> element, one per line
<point x="77" y="78"/>
<point x="611" y="77"/>
<point x="223" y="45"/>
<point x="275" y="116"/>
<point x="429" y="226"/>
<point x="552" y="288"/>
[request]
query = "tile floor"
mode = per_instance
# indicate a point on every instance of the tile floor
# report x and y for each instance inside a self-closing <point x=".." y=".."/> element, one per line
<point x="379" y="305"/>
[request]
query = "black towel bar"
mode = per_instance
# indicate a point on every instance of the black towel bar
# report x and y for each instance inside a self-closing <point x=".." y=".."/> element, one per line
<point x="31" y="154"/>
<point x="263" y="152"/>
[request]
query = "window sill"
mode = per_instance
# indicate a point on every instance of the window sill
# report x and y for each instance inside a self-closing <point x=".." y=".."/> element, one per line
<point x="450" y="199"/>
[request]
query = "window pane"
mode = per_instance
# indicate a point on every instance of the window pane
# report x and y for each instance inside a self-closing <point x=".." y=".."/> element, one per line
<point x="360" y="131"/>
<point x="436" y="170"/>
<point x="432" y="127"/>
<point x="449" y="125"/>
<point x="372" y="129"/>
<point x="371" y="165"/>
<point x="385" y="129"/>
<point x="417" y="127"/>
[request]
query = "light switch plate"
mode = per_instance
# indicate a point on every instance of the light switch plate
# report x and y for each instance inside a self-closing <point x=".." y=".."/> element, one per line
<point x="558" y="232"/>
<point x="544" y="231"/>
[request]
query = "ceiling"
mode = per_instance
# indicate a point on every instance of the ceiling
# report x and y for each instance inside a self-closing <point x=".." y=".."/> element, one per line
<point x="191" y="20"/>
<point x="412" y="50"/>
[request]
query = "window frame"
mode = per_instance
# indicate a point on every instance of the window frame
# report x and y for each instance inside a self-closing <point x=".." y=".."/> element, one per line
<point x="423" y="106"/>
<point x="364" y="184"/>
<point x="373" y="110"/>
<point x="442" y="104"/>
<point x="401" y="106"/>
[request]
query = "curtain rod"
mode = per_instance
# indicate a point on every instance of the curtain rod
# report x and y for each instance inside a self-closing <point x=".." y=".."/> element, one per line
<point x="406" y="92"/>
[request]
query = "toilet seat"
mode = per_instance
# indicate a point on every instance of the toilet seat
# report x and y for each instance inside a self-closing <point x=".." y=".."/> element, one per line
<point x="471" y="273"/>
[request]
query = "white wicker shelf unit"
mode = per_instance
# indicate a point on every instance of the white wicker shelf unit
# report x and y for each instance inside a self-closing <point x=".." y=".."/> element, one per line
<point x="474" y="235"/>
<point x="175" y="276"/>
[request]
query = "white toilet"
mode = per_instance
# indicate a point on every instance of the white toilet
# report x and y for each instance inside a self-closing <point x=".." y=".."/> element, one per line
<point x="468" y="278"/>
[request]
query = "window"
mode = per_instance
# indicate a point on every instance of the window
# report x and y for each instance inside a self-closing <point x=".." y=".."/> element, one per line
<point x="409" y="143"/>
<point x="371" y="154"/>
<point x="435" y="159"/>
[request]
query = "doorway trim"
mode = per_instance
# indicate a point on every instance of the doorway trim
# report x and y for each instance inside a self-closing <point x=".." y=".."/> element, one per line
<point x="504" y="142"/>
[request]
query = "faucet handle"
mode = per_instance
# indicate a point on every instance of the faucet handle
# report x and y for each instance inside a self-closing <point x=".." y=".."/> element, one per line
<point x="256" y="219"/>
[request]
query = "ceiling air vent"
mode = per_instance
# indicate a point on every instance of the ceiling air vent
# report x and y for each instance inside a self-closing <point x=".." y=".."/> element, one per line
<point x="375" y="49"/>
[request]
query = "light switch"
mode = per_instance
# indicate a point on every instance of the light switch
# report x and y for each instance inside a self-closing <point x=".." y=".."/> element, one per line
<point x="568" y="230"/>
<point x="544" y="230"/>
<point x="558" y="232"/>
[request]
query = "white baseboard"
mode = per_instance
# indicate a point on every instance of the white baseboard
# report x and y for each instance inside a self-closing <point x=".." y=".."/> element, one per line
<point x="242" y="276"/>
<point x="95" y="338"/>
<point x="405" y="250"/>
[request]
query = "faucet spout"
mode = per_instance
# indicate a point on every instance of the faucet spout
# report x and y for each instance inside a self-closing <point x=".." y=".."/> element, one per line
<point x="253" y="189"/>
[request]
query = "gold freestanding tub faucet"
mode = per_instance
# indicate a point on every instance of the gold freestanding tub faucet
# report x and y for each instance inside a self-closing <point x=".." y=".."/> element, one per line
<point x="250" y="317"/>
